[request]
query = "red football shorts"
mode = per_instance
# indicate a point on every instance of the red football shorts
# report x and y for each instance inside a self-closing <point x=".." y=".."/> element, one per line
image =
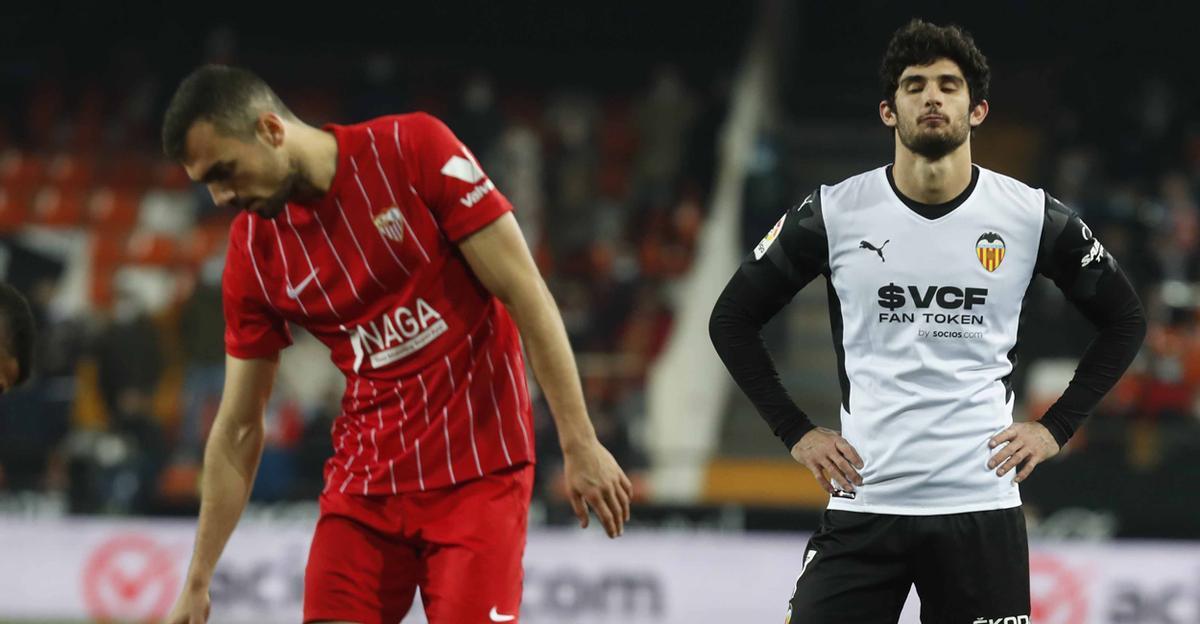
<point x="462" y="546"/>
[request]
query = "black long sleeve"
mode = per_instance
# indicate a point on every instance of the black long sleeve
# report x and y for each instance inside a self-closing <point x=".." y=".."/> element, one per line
<point x="1091" y="279"/>
<point x="788" y="258"/>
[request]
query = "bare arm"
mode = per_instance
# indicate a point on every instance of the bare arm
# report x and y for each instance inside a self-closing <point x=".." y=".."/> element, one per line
<point x="498" y="255"/>
<point x="231" y="458"/>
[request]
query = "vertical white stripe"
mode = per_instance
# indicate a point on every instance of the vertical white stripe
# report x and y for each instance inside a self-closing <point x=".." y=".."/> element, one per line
<point x="403" y="416"/>
<point x="357" y="246"/>
<point x="311" y="266"/>
<point x="496" y="408"/>
<point x="370" y="210"/>
<point x="420" y="473"/>
<point x="449" y="369"/>
<point x="470" y="407"/>
<point x="471" y="424"/>
<point x="354" y="397"/>
<point x="346" y="482"/>
<point x="517" y="399"/>
<point x="424" y="397"/>
<point x="446" y="432"/>
<point x="378" y="415"/>
<point x="388" y="186"/>
<point x="329" y="479"/>
<point x="366" y="480"/>
<point x="336" y="256"/>
<point x="254" y="263"/>
<point x="392" y="474"/>
<point x="287" y="271"/>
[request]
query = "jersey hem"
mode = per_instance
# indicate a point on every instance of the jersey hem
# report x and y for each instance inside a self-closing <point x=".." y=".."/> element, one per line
<point x="839" y="504"/>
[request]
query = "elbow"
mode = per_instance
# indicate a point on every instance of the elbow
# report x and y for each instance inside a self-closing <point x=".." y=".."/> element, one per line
<point x="1138" y="325"/>
<point x="716" y="320"/>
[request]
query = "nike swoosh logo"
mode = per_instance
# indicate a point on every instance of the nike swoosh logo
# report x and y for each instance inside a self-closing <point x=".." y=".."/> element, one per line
<point x="496" y="616"/>
<point x="294" y="293"/>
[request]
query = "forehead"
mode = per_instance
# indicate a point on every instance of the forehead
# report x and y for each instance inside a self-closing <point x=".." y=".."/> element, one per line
<point x="940" y="67"/>
<point x="205" y="146"/>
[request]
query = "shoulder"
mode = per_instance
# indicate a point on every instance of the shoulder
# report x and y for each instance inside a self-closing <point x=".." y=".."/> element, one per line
<point x="856" y="192"/>
<point x="865" y="182"/>
<point x="1011" y="190"/>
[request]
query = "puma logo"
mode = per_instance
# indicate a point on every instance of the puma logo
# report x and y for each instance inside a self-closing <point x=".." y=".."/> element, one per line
<point x="878" y="250"/>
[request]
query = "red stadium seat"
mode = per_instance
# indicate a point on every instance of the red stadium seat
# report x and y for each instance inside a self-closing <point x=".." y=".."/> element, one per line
<point x="113" y="207"/>
<point x="20" y="170"/>
<point x="129" y="171"/>
<point x="69" y="171"/>
<point x="14" y="210"/>
<point x="57" y="207"/>
<point x="201" y="243"/>
<point x="150" y="248"/>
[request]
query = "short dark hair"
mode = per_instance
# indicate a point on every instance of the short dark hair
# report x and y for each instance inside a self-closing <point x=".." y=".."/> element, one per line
<point x="229" y="97"/>
<point x="18" y="329"/>
<point x="921" y="43"/>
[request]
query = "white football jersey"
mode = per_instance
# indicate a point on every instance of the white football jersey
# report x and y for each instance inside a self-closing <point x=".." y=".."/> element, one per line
<point x="927" y="311"/>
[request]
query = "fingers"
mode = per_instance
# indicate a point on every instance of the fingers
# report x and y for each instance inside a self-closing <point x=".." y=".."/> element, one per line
<point x="607" y="516"/>
<point x="619" y="503"/>
<point x="848" y="471"/>
<point x="1027" y="469"/>
<point x="627" y="498"/>
<point x="1005" y="453"/>
<point x="1004" y="436"/>
<point x="579" y="506"/>
<point x="1016" y="459"/>
<point x="849" y="453"/>
<point x="819" y="475"/>
<point x="835" y="474"/>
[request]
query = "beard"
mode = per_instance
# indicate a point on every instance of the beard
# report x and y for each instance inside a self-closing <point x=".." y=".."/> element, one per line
<point x="934" y="143"/>
<point x="272" y="206"/>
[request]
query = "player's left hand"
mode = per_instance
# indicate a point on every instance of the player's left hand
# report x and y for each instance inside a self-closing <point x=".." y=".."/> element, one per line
<point x="594" y="479"/>
<point x="1026" y="444"/>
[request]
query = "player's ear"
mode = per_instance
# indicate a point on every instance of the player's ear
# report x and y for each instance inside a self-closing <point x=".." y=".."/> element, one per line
<point x="269" y="128"/>
<point x="887" y="114"/>
<point x="979" y="113"/>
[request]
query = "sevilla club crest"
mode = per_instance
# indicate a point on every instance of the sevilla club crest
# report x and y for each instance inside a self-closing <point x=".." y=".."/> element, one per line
<point x="391" y="224"/>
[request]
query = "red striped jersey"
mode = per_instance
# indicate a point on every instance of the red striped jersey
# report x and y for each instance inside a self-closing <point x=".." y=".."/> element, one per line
<point x="435" y="386"/>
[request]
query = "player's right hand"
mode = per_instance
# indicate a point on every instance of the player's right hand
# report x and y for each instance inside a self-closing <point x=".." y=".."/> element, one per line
<point x="191" y="608"/>
<point x="830" y="458"/>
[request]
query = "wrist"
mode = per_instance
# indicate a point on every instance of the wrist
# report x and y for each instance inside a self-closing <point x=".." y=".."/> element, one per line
<point x="197" y="581"/>
<point x="576" y="441"/>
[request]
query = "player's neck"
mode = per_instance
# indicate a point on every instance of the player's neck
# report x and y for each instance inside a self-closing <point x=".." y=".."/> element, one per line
<point x="933" y="181"/>
<point x="316" y="156"/>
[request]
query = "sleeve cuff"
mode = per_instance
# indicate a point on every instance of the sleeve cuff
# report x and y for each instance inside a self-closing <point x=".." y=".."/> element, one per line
<point x="489" y="209"/>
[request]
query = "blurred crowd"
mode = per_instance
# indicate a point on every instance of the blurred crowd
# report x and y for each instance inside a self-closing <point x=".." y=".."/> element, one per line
<point x="122" y="258"/>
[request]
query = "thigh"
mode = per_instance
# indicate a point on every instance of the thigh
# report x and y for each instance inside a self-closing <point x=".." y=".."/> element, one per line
<point x="974" y="565"/>
<point x="474" y="537"/>
<point x="359" y="569"/>
<point x="855" y="569"/>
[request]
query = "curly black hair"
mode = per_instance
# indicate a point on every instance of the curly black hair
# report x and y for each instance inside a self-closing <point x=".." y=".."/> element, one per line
<point x="921" y="43"/>
<point x="229" y="97"/>
<point x="17" y="329"/>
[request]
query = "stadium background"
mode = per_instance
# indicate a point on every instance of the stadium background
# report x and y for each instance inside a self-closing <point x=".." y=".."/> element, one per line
<point x="646" y="148"/>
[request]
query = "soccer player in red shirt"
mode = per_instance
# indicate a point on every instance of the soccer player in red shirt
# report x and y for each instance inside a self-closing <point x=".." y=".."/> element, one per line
<point x="388" y="243"/>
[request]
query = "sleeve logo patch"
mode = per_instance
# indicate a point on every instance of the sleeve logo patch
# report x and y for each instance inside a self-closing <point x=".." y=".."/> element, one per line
<point x="765" y="243"/>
